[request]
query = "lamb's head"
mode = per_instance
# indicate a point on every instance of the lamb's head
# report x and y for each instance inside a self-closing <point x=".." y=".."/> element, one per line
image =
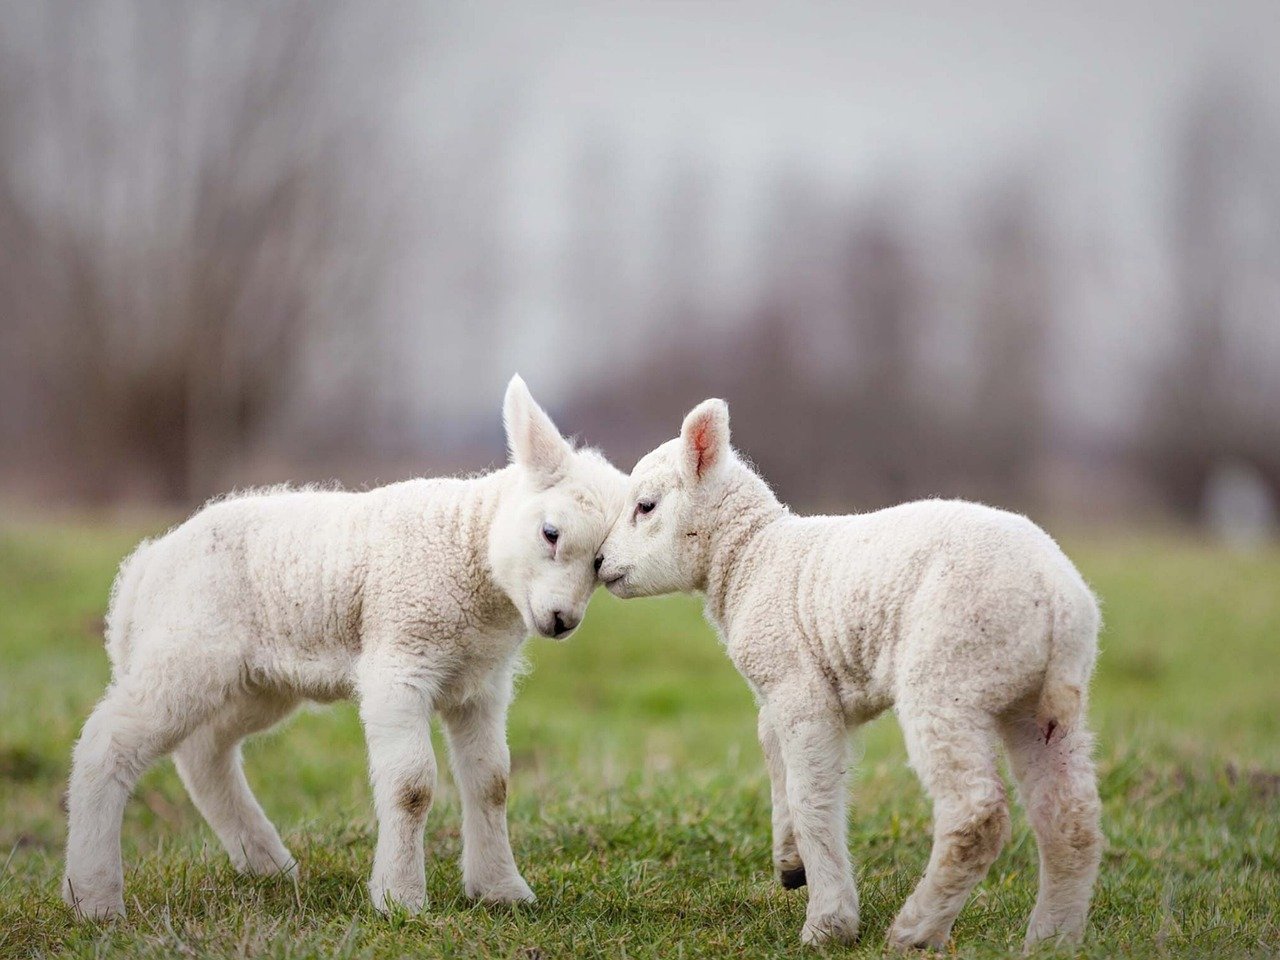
<point x="548" y="528"/>
<point x="660" y="541"/>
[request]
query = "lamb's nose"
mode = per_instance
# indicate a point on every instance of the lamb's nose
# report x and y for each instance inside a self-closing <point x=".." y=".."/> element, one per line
<point x="563" y="626"/>
<point x="599" y="561"/>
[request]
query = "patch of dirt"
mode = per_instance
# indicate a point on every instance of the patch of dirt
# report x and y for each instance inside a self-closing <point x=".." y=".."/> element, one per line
<point x="94" y="627"/>
<point x="1260" y="784"/>
<point x="22" y="765"/>
<point x="1264" y="783"/>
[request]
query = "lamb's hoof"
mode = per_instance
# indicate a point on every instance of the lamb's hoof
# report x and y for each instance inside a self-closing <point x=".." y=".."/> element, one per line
<point x="87" y="905"/>
<point x="259" y="861"/>
<point x="1045" y="932"/>
<point x="508" y="890"/>
<point x="835" y="927"/>
<point x="792" y="879"/>
<point x="388" y="899"/>
<point x="916" y="936"/>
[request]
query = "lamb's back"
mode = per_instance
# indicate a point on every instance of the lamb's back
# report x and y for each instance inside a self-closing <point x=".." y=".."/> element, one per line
<point x="846" y="591"/>
<point x="280" y="565"/>
<point x="888" y="555"/>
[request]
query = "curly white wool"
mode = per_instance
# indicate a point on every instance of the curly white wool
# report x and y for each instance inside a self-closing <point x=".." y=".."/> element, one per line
<point x="969" y="621"/>
<point x="414" y="598"/>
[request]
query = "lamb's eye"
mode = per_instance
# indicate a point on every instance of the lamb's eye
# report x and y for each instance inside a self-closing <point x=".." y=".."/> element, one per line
<point x="550" y="534"/>
<point x="645" y="506"/>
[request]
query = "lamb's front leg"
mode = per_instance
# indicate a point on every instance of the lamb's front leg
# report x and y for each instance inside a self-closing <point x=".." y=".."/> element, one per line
<point x="812" y="735"/>
<point x="481" y="767"/>
<point x="786" y="855"/>
<point x="396" y="713"/>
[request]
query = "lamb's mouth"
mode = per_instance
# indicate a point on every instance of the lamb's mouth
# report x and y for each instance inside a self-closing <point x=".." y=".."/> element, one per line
<point x="617" y="586"/>
<point x="556" y="626"/>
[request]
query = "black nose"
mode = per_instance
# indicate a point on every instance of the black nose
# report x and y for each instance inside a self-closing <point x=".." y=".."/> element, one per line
<point x="599" y="561"/>
<point x="562" y="624"/>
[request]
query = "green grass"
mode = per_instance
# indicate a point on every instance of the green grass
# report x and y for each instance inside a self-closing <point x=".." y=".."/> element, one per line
<point x="639" y="803"/>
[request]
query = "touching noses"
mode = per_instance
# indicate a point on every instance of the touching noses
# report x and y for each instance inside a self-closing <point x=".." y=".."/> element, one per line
<point x="607" y="573"/>
<point x="601" y="574"/>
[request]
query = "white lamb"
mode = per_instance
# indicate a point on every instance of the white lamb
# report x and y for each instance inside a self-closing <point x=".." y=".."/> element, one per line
<point x="969" y="621"/>
<point x="413" y="598"/>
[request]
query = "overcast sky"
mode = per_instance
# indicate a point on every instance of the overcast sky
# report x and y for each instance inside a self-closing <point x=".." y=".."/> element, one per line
<point x="933" y="98"/>
<point x="861" y="92"/>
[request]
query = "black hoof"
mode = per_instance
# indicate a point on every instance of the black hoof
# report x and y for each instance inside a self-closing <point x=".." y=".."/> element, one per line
<point x="793" y="879"/>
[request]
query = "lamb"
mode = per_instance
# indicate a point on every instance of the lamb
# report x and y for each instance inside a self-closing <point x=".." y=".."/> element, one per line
<point x="970" y="622"/>
<point x="413" y="598"/>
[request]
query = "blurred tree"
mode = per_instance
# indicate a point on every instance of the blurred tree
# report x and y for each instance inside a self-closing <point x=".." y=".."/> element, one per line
<point x="1216" y="398"/>
<point x="685" y="245"/>
<point x="881" y="297"/>
<point x="593" y="272"/>
<point x="180" y="217"/>
<point x="1012" y="318"/>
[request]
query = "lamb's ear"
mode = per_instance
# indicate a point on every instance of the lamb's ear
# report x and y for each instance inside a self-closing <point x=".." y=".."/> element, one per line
<point x="704" y="439"/>
<point x="532" y="438"/>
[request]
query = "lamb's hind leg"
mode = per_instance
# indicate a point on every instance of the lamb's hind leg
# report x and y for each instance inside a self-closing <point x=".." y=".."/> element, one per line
<point x="210" y="766"/>
<point x="133" y="725"/>
<point x="786" y="854"/>
<point x="953" y="753"/>
<point x="1057" y="783"/>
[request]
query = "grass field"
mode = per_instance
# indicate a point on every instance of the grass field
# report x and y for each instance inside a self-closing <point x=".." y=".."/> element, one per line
<point x="639" y="802"/>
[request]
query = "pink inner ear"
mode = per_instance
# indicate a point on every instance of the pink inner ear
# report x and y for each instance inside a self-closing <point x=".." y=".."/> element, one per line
<point x="702" y="444"/>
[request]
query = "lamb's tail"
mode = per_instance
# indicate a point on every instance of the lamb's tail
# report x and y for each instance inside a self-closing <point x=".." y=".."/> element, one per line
<point x="1073" y="648"/>
<point x="124" y="594"/>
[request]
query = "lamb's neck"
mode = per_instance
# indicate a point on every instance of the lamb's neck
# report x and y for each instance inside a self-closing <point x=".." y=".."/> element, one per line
<point x="747" y="509"/>
<point x="475" y="519"/>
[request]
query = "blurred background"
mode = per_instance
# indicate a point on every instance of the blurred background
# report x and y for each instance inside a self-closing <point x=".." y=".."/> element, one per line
<point x="997" y="250"/>
<point x="1024" y="253"/>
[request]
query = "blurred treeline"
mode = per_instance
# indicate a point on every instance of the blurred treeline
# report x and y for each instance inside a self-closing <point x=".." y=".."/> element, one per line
<point x="241" y="244"/>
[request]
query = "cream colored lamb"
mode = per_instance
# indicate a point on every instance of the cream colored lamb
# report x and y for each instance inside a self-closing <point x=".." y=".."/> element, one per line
<point x="413" y="598"/>
<point x="969" y="622"/>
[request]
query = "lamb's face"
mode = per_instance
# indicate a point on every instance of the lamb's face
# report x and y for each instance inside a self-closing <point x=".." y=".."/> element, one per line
<point x="658" y="544"/>
<point x="647" y="552"/>
<point x="543" y="547"/>
<point x="548" y="531"/>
